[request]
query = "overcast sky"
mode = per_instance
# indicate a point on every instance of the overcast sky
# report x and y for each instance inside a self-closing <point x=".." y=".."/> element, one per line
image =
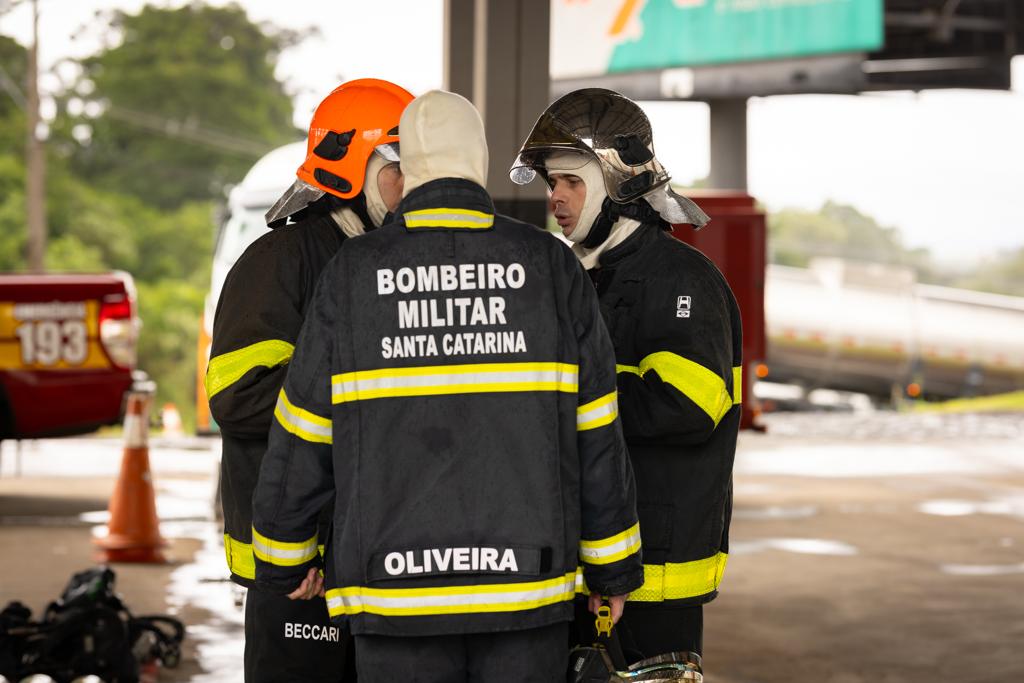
<point x="945" y="167"/>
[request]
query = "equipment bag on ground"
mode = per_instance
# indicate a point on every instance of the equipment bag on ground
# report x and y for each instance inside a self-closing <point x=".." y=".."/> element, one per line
<point x="87" y="631"/>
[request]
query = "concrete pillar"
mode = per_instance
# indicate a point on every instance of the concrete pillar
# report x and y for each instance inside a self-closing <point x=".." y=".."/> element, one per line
<point x="458" y="46"/>
<point x="510" y="88"/>
<point x="728" y="144"/>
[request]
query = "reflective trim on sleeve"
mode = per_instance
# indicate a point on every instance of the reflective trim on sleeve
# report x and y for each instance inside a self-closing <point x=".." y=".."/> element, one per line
<point x="227" y="368"/>
<point x="632" y="369"/>
<point x="448" y="218"/>
<point x="469" y="599"/>
<point x="283" y="553"/>
<point x="438" y="380"/>
<point x="737" y="385"/>
<point x="696" y="382"/>
<point x="240" y="558"/>
<point x="613" y="548"/>
<point x="677" y="581"/>
<point x="301" y="422"/>
<point x="597" y="413"/>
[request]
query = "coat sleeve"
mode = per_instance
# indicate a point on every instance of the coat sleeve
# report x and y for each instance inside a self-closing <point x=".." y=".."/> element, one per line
<point x="296" y="476"/>
<point x="689" y="344"/>
<point x="258" y="319"/>
<point x="610" y="530"/>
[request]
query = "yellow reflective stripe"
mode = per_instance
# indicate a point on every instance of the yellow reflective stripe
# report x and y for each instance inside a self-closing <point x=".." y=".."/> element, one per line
<point x="227" y="368"/>
<point x="301" y="422"/>
<point x="453" y="379"/>
<point x="470" y="599"/>
<point x="240" y="557"/>
<point x="283" y="553"/>
<point x="676" y="581"/>
<point x="737" y="385"/>
<point x="448" y="218"/>
<point x="696" y="382"/>
<point x="597" y="413"/>
<point x="632" y="369"/>
<point x="613" y="548"/>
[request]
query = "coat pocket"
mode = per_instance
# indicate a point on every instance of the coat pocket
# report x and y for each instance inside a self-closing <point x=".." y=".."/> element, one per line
<point x="655" y="526"/>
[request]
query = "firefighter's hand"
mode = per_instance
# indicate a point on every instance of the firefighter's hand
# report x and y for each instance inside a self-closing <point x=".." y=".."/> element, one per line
<point x="616" y="602"/>
<point x="312" y="586"/>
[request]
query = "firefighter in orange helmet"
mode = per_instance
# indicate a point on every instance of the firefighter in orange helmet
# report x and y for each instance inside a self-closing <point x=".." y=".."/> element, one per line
<point x="348" y="183"/>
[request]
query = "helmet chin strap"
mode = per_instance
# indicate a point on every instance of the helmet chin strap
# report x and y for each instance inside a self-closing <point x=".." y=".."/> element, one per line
<point x="602" y="225"/>
<point x="610" y="214"/>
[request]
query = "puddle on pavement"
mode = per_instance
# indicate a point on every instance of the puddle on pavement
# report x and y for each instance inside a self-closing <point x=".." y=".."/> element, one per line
<point x="202" y="585"/>
<point x="1011" y="506"/>
<point x="200" y="589"/>
<point x="775" y="512"/>
<point x="982" y="569"/>
<point x="802" y="546"/>
<point x="840" y="460"/>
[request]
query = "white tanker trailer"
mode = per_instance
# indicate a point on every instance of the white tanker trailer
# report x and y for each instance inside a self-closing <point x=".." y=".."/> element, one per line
<point x="873" y="329"/>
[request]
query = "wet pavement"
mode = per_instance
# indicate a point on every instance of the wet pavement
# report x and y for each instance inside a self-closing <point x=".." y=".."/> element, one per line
<point x="865" y="547"/>
<point x="54" y="504"/>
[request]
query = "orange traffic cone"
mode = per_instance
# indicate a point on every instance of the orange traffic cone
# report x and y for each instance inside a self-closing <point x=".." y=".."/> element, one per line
<point x="171" y="419"/>
<point x="133" y="532"/>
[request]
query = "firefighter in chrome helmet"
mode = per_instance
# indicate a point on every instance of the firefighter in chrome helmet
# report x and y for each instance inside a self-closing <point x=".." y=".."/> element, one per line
<point x="347" y="184"/>
<point x="677" y="335"/>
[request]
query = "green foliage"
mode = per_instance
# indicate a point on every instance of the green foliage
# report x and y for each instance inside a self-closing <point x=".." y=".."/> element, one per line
<point x="188" y="99"/>
<point x="170" y="311"/>
<point x="180" y="104"/>
<point x="796" y="236"/>
<point x="1003" y="274"/>
<point x="13" y="65"/>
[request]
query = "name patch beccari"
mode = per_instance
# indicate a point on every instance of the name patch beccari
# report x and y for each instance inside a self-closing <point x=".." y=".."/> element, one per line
<point x="438" y="560"/>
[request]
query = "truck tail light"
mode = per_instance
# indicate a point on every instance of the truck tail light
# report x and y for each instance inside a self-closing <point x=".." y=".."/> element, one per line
<point x="119" y="330"/>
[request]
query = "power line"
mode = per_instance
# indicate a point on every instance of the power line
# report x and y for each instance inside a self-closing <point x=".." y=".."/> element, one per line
<point x="190" y="131"/>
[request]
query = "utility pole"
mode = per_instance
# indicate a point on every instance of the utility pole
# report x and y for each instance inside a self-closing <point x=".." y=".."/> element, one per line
<point x="35" y="159"/>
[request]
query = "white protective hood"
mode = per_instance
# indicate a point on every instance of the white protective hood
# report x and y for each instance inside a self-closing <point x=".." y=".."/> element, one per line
<point x="442" y="137"/>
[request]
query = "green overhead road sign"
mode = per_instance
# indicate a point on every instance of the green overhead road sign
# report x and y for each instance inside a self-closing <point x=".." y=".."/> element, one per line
<point x="615" y="36"/>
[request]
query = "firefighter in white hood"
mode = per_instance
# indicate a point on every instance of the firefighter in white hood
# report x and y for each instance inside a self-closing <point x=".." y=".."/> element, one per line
<point x="469" y="486"/>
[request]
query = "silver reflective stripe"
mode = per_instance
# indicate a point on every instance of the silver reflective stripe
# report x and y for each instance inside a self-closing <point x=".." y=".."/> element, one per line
<point x="598" y="413"/>
<point x="302" y="423"/>
<point x="283" y="553"/>
<point x="451" y="217"/>
<point x="448" y="218"/>
<point x="452" y="599"/>
<point x="611" y="549"/>
<point x="454" y="379"/>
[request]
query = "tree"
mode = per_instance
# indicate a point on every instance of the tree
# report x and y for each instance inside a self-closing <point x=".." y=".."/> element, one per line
<point x="797" y="235"/>
<point x="180" y="107"/>
<point x="1002" y="274"/>
<point x="13" y="67"/>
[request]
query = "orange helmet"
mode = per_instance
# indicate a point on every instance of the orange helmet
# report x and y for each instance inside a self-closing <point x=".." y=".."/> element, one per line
<point x="357" y="118"/>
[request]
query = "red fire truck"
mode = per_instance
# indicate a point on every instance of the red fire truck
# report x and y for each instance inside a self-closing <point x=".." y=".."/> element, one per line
<point x="67" y="352"/>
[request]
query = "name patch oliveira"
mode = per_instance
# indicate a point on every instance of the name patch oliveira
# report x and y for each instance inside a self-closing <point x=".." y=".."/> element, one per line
<point x="455" y="560"/>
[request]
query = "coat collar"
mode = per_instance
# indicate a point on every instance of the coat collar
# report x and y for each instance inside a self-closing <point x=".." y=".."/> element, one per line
<point x="447" y="204"/>
<point x="644" y="235"/>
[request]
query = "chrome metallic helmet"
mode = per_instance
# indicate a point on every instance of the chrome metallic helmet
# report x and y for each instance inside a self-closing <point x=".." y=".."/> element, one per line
<point x="602" y="124"/>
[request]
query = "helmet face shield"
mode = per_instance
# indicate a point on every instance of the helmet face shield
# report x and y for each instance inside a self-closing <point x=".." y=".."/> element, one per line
<point x="601" y="123"/>
<point x="295" y="199"/>
<point x="390" y="152"/>
<point x="531" y="162"/>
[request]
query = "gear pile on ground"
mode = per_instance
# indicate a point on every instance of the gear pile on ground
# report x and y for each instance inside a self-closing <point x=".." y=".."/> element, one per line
<point x="88" y="631"/>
